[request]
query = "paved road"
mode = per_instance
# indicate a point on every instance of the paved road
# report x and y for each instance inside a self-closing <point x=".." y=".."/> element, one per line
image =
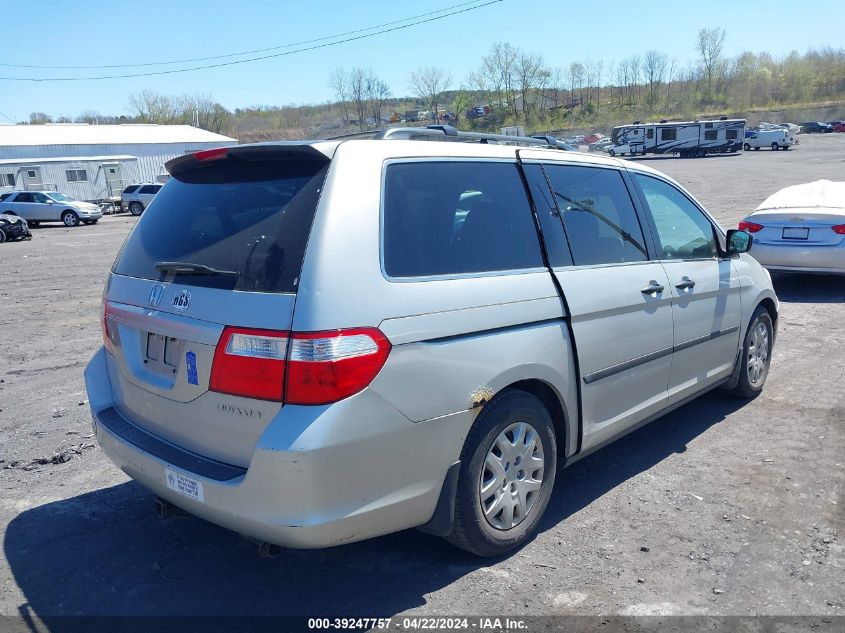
<point x="739" y="504"/>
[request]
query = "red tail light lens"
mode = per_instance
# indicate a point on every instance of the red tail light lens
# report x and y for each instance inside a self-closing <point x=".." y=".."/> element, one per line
<point x="108" y="327"/>
<point x="839" y="229"/>
<point x="751" y="227"/>
<point x="250" y="363"/>
<point x="325" y="367"/>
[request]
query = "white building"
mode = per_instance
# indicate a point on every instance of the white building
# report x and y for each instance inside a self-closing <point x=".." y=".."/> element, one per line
<point x="94" y="162"/>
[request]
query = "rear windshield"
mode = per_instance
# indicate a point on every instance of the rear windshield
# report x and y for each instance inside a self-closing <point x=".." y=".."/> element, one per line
<point x="130" y="189"/>
<point x="243" y="226"/>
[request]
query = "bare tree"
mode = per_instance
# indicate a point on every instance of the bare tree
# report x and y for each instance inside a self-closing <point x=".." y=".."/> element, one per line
<point x="654" y="70"/>
<point x="498" y="69"/>
<point x="576" y="80"/>
<point x="202" y="110"/>
<point x="709" y="46"/>
<point x="39" y="118"/>
<point x="152" y="107"/>
<point x="339" y="83"/>
<point x="429" y="83"/>
<point x="358" y="94"/>
<point x="377" y="92"/>
<point x="529" y="71"/>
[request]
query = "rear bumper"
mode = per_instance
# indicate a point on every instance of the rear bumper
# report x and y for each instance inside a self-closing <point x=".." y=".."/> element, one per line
<point x="801" y="258"/>
<point x="319" y="476"/>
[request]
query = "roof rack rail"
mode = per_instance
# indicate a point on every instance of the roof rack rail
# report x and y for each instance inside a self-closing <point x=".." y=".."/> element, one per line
<point x="450" y="133"/>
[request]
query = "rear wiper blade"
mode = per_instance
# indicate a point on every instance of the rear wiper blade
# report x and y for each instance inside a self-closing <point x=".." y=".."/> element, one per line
<point x="188" y="268"/>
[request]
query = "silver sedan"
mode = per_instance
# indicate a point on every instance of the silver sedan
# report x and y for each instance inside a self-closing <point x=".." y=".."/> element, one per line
<point x="801" y="229"/>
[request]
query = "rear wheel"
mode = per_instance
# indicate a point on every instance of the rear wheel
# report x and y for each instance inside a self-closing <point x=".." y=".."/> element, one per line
<point x="612" y="152"/>
<point x="70" y="218"/>
<point x="746" y="147"/>
<point x="775" y="147"/>
<point x="136" y="208"/>
<point x="2" y="236"/>
<point x="507" y="474"/>
<point x="756" y="355"/>
<point x="32" y="223"/>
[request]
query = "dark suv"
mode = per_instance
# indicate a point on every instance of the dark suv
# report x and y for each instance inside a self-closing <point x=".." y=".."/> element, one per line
<point x="815" y="127"/>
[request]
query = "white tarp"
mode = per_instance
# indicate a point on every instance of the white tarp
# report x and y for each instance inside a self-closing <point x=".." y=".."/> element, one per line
<point x="821" y="194"/>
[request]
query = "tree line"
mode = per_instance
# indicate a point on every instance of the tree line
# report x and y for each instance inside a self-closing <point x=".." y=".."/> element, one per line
<point x="520" y="88"/>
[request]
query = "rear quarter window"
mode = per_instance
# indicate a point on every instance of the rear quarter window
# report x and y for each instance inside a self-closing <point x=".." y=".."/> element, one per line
<point x="130" y="189"/>
<point x="447" y="218"/>
<point x="249" y="219"/>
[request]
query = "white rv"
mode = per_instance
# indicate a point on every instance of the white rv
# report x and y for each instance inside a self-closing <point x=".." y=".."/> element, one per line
<point x="686" y="138"/>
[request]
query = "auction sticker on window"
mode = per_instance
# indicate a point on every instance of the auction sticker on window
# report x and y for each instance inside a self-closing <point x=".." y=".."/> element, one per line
<point x="188" y="486"/>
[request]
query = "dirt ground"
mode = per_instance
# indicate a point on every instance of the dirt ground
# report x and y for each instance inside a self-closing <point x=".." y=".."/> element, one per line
<point x="720" y="508"/>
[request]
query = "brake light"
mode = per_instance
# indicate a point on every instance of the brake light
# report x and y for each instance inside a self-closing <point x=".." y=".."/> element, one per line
<point x="839" y="229"/>
<point x="751" y="227"/>
<point x="215" y="153"/>
<point x="251" y="363"/>
<point x="325" y="367"/>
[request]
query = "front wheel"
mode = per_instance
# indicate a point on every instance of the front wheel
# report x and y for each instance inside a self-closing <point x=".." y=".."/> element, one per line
<point x="136" y="208"/>
<point x="2" y="236"/>
<point x="746" y="147"/>
<point x="507" y="474"/>
<point x="775" y="147"/>
<point x="70" y="218"/>
<point x="32" y="223"/>
<point x="612" y="152"/>
<point x="756" y="355"/>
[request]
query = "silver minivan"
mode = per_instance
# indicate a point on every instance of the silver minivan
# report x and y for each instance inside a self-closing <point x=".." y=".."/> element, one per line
<point x="318" y="342"/>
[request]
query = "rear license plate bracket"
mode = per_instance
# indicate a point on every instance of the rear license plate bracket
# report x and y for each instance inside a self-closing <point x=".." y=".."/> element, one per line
<point x="796" y="233"/>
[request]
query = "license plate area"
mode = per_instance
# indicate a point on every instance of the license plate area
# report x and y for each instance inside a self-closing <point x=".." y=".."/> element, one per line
<point x="162" y="353"/>
<point x="796" y="233"/>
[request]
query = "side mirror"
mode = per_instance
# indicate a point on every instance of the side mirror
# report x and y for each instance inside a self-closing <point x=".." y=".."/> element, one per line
<point x="738" y="241"/>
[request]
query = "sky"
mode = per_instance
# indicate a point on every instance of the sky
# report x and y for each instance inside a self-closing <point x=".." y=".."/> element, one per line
<point x="119" y="32"/>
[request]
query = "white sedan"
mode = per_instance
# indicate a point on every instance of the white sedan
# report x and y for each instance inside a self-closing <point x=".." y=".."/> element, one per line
<point x="801" y="229"/>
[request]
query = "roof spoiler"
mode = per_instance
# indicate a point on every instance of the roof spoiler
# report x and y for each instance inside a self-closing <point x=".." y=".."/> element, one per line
<point x="321" y="152"/>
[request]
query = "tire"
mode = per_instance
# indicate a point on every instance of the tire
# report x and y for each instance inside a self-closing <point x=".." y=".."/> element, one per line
<point x="702" y="153"/>
<point x="746" y="147"/>
<point x="775" y="147"/>
<point x="94" y="221"/>
<point x="752" y="375"/>
<point x="612" y="152"/>
<point x="518" y="419"/>
<point x="32" y="223"/>
<point x="136" y="208"/>
<point x="2" y="236"/>
<point x="70" y="219"/>
<point x="756" y="149"/>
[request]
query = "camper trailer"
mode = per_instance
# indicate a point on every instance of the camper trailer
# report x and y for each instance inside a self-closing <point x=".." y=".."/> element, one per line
<point x="687" y="138"/>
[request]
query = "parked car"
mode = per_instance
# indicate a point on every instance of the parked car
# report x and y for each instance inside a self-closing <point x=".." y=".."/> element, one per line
<point x="136" y="198"/>
<point x="815" y="127"/>
<point x="773" y="138"/>
<point x="600" y="144"/>
<point x="318" y="342"/>
<point x="49" y="206"/>
<point x="839" y="127"/>
<point x="13" y="227"/>
<point x="592" y="138"/>
<point x="801" y="229"/>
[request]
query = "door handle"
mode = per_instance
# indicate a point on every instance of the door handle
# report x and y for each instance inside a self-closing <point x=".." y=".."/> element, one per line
<point x="686" y="283"/>
<point x="652" y="288"/>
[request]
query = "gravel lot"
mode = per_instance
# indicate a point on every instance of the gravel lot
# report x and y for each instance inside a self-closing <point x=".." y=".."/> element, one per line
<point x="721" y="508"/>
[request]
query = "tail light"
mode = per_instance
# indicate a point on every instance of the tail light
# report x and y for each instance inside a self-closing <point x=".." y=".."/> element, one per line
<point x="325" y="367"/>
<point x="751" y="227"/>
<point x="251" y="363"/>
<point x="839" y="229"/>
<point x="108" y="326"/>
<point x="298" y="368"/>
